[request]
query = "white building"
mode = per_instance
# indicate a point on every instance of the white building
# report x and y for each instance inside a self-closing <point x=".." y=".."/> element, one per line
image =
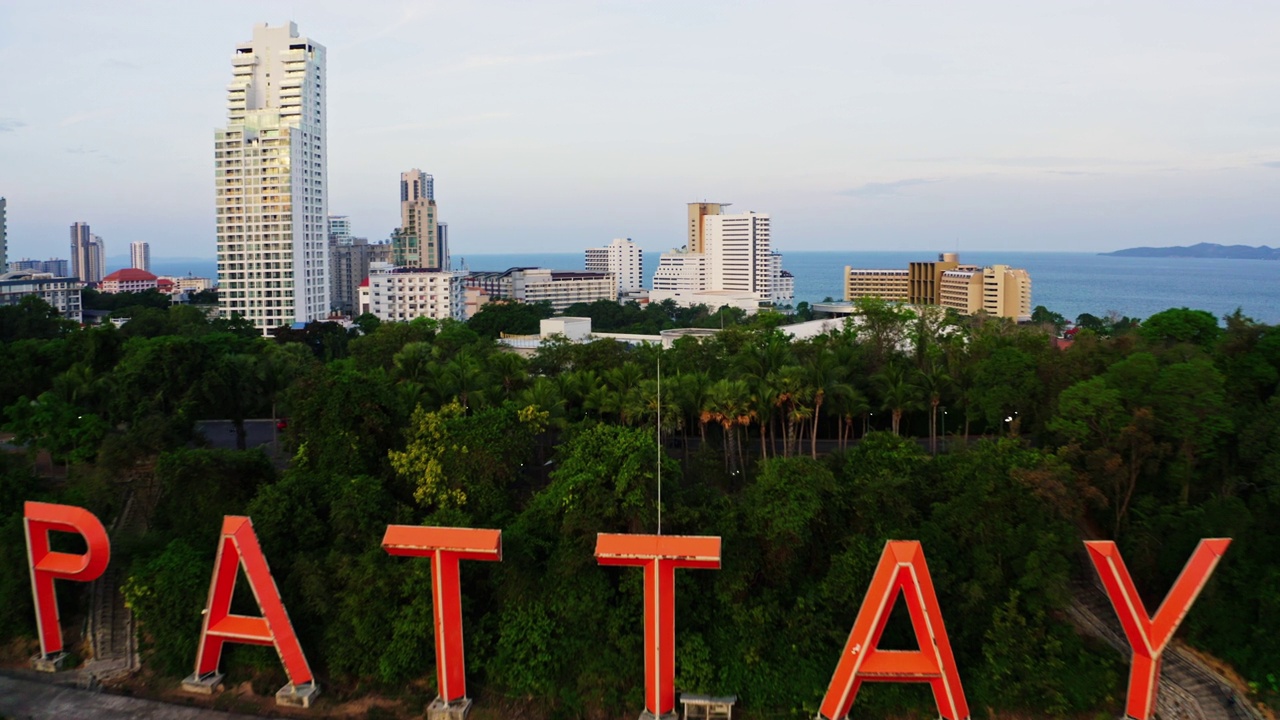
<point x="561" y="288"/>
<point x="271" y="180"/>
<point x="188" y="283"/>
<point x="128" y="280"/>
<point x="728" y="256"/>
<point x="621" y="257"/>
<point x="140" y="256"/>
<point x="340" y="229"/>
<point x="403" y="294"/>
<point x="64" y="293"/>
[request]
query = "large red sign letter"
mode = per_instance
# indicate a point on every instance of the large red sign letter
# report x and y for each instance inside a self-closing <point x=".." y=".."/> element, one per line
<point x="1148" y="636"/>
<point x="659" y="555"/>
<point x="238" y="548"/>
<point x="902" y="570"/>
<point x="46" y="565"/>
<point x="446" y="546"/>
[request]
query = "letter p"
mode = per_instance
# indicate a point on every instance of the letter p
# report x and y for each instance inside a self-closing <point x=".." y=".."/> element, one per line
<point x="47" y="565"/>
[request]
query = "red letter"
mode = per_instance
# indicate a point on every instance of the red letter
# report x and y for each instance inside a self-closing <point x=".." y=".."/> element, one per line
<point x="902" y="569"/>
<point x="446" y="546"/>
<point x="1148" y="636"/>
<point x="47" y="566"/>
<point x="239" y="548"/>
<point x="660" y="555"/>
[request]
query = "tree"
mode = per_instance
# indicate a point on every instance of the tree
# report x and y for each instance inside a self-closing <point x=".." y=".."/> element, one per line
<point x="509" y="317"/>
<point x="897" y="393"/>
<point x="1181" y="326"/>
<point x="32" y="318"/>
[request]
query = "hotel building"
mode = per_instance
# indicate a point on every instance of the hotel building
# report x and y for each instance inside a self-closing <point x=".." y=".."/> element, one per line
<point x="271" y="182"/>
<point x="728" y="259"/>
<point x="621" y="257"/>
<point x="968" y="289"/>
<point x="530" y="285"/>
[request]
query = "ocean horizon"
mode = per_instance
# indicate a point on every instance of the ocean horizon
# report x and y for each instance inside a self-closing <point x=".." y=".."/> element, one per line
<point x="1070" y="283"/>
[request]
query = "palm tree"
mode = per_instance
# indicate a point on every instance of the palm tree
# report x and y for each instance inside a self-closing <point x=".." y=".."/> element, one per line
<point x="826" y="377"/>
<point x="691" y="391"/>
<point x="934" y="381"/>
<point x="897" y="392"/>
<point x="729" y="405"/>
<point x="508" y="371"/>
<point x="793" y="392"/>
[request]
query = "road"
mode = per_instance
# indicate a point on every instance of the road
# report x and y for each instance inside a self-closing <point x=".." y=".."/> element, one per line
<point x="222" y="433"/>
<point x="29" y="700"/>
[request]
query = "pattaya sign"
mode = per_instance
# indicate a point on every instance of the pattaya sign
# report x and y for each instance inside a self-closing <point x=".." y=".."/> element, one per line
<point x="901" y="572"/>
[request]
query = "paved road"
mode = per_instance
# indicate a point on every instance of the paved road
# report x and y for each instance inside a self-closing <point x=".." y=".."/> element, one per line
<point x="29" y="700"/>
<point x="222" y="433"/>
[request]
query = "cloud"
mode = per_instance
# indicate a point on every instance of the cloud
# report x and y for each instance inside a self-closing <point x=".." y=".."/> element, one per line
<point x="89" y="115"/>
<point x="1269" y="163"/>
<point x="885" y="189"/>
<point x="11" y="124"/>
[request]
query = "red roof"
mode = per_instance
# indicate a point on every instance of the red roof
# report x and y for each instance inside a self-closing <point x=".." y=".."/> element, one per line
<point x="364" y="283"/>
<point x="129" y="275"/>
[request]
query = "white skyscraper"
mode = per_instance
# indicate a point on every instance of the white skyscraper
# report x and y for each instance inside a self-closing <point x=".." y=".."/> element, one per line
<point x="140" y="256"/>
<point x="272" y="182"/>
<point x="729" y="259"/>
<point x="621" y="257"/>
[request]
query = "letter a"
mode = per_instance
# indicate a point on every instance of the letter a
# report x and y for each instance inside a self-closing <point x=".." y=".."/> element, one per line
<point x="38" y="520"/>
<point x="659" y="555"/>
<point x="238" y="547"/>
<point x="902" y="569"/>
<point x="446" y="546"/>
<point x="1148" y="636"/>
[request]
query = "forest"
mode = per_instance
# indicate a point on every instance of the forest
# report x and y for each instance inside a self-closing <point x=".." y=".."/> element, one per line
<point x="997" y="445"/>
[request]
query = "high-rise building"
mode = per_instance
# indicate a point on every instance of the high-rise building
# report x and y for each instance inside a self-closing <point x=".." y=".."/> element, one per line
<point x="340" y="229"/>
<point x="4" y="237"/>
<point x="728" y="259"/>
<point x="88" y="254"/>
<point x="621" y="257"/>
<point x="348" y="267"/>
<point x="418" y="242"/>
<point x="140" y="255"/>
<point x="271" y="181"/>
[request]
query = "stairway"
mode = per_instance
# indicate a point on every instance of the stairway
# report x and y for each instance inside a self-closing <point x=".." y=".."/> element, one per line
<point x="1188" y="689"/>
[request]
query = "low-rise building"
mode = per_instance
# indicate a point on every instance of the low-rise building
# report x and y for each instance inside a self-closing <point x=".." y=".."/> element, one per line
<point x="63" y="293"/>
<point x="402" y="294"/>
<point x="561" y="288"/>
<point x="997" y="290"/>
<point x="128" y="280"/>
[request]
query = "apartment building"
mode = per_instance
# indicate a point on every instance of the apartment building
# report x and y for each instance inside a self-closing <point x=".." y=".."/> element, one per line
<point x="403" y="294"/>
<point x="63" y="293"/>
<point x="726" y="257"/>
<point x="271" y="186"/>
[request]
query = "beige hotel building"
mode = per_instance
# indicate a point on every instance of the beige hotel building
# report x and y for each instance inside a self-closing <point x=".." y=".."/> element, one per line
<point x="997" y="290"/>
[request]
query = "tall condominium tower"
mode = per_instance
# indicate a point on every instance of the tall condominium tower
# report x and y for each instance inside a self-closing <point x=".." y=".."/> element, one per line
<point x="88" y="254"/>
<point x="140" y="255"/>
<point x="272" y="184"/>
<point x="4" y="239"/>
<point x="418" y="243"/>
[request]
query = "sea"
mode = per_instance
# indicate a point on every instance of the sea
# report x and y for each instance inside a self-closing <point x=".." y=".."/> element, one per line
<point x="1070" y="283"/>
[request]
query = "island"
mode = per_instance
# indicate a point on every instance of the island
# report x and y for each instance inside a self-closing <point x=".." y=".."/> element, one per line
<point x="1202" y="250"/>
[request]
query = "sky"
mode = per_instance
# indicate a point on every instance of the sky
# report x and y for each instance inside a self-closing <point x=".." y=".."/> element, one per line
<point x="555" y="126"/>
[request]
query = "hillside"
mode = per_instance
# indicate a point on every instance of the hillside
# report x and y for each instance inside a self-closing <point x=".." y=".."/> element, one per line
<point x="1203" y="250"/>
